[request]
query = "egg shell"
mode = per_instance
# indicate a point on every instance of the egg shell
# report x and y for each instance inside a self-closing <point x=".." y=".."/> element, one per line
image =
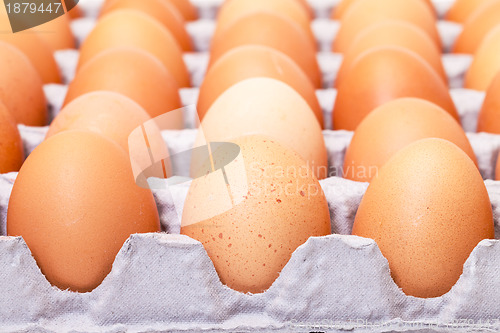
<point x="57" y="33"/>
<point x="75" y="203"/>
<point x="477" y="26"/>
<point x="233" y="10"/>
<point x="393" y="126"/>
<point x="112" y="115"/>
<point x="461" y="10"/>
<point x="131" y="28"/>
<point x="383" y="74"/>
<point x="394" y="33"/>
<point x="250" y="61"/>
<point x="363" y="13"/>
<point x="75" y="13"/>
<point x="344" y="5"/>
<point x="11" y="145"/>
<point x="486" y="63"/>
<point x="270" y="108"/>
<point x="133" y="73"/>
<point x="39" y="53"/>
<point x="21" y="87"/>
<point x="161" y="10"/>
<point x="249" y="243"/>
<point x="489" y="116"/>
<point x="265" y="28"/>
<point x="186" y="8"/>
<point x="427" y="209"/>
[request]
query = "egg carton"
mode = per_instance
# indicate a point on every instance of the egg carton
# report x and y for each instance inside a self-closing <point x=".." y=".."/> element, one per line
<point x="201" y="32"/>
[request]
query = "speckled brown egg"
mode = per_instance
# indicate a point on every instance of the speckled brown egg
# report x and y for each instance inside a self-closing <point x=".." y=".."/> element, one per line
<point x="489" y="116"/>
<point x="486" y="63"/>
<point x="38" y="52"/>
<point x="427" y="209"/>
<point x="133" y="73"/>
<point x="383" y="74"/>
<point x="75" y="203"/>
<point x="11" y="145"/>
<point x="477" y="26"/>
<point x="161" y="10"/>
<point x="268" y="107"/>
<point x="393" y="126"/>
<point x="250" y="242"/>
<point x="233" y="10"/>
<point x="131" y="28"/>
<point x="255" y="61"/>
<point x="273" y="30"/>
<point x="21" y="87"/>
<point x="394" y="33"/>
<point x="363" y="13"/>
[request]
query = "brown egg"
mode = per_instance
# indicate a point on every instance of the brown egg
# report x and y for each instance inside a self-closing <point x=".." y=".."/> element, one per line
<point x="363" y="13"/>
<point x="75" y="13"/>
<point x="463" y="9"/>
<point x="11" y="145"/>
<point x="21" y="88"/>
<point x="255" y="61"/>
<point x="344" y="5"/>
<point x="381" y="75"/>
<point x="132" y="28"/>
<point x="250" y="242"/>
<point x="497" y="170"/>
<point x="309" y="10"/>
<point x="110" y="114"/>
<point x="4" y="19"/>
<point x="79" y="189"/>
<point x="38" y="52"/>
<point x="427" y="209"/>
<point x="161" y="10"/>
<point x="477" y="26"/>
<point x="271" y="30"/>
<point x="233" y="10"/>
<point x="57" y="33"/>
<point x="394" y="33"/>
<point x="133" y="73"/>
<point x="489" y="117"/>
<point x="393" y="126"/>
<point x="271" y="108"/>
<point x="486" y="62"/>
<point x="341" y="8"/>
<point x="186" y="8"/>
